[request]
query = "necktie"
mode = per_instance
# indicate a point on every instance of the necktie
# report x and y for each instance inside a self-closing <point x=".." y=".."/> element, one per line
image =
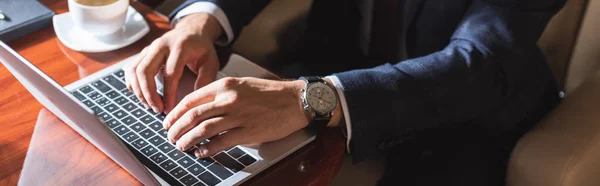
<point x="386" y="29"/>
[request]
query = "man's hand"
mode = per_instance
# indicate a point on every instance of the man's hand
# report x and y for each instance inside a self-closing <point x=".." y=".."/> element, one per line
<point x="189" y="44"/>
<point x="241" y="110"/>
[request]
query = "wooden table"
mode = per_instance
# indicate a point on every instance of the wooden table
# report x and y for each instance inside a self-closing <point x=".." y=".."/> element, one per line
<point x="21" y="115"/>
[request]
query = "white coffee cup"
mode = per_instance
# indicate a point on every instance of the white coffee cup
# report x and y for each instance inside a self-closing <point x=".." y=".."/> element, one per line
<point x="99" y="20"/>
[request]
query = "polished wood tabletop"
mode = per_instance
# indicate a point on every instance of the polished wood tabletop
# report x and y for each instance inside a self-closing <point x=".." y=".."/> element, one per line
<point x="21" y="115"/>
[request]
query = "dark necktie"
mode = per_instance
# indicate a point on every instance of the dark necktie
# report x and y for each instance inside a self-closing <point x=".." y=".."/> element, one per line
<point x="386" y="28"/>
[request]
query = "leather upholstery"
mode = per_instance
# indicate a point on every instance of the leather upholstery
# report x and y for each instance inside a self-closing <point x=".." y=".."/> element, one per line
<point x="564" y="149"/>
<point x="559" y="38"/>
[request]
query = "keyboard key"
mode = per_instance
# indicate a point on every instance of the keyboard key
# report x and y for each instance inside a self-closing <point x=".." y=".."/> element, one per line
<point x="188" y="180"/>
<point x="236" y="153"/>
<point x="149" y="150"/>
<point x="96" y="110"/>
<point x="220" y="171"/>
<point x="195" y="169"/>
<point x="105" y="116"/>
<point x="128" y="120"/>
<point x="204" y="161"/>
<point x="119" y="73"/>
<point x="112" y="94"/>
<point x="111" y="108"/>
<point x="163" y="133"/>
<point x="158" y="158"/>
<point x="156" y="140"/>
<point x="147" y="134"/>
<point x="247" y="160"/>
<point x="114" y="82"/>
<point x="121" y="114"/>
<point x="134" y="99"/>
<point x="160" y="117"/>
<point x="185" y="161"/>
<point x="176" y="154"/>
<point x="139" y="143"/>
<point x="127" y="93"/>
<point x="147" y="119"/>
<point x="129" y="107"/>
<point x="209" y="179"/>
<point x="166" y="147"/>
<point x="138" y="113"/>
<point x="130" y="137"/>
<point x="168" y="165"/>
<point x="101" y="86"/>
<point x="178" y="172"/>
<point x="88" y="103"/>
<point x="102" y="101"/>
<point x="112" y="123"/>
<point x="137" y="127"/>
<point x="94" y="95"/>
<point x="228" y="162"/>
<point x="122" y="130"/>
<point x="121" y="100"/>
<point x="78" y="95"/>
<point x="86" y="89"/>
<point x="156" y="126"/>
<point x="199" y="184"/>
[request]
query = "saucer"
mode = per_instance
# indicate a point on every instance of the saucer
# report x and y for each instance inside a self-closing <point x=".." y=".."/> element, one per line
<point x="77" y="39"/>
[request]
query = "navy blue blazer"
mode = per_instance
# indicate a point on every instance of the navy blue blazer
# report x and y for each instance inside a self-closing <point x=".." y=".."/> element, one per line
<point x="474" y="65"/>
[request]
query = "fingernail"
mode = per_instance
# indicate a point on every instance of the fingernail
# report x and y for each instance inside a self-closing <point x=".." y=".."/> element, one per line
<point x="197" y="153"/>
<point x="179" y="147"/>
<point x="201" y="151"/>
<point x="155" y="109"/>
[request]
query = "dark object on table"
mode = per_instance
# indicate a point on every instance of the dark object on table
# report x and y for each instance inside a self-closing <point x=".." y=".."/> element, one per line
<point x="22" y="17"/>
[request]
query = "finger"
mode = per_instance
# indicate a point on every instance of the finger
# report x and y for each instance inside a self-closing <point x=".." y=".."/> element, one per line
<point x="207" y="73"/>
<point x="192" y="118"/>
<point x="132" y="79"/>
<point x="221" y="142"/>
<point x="206" y="129"/>
<point x="145" y="72"/>
<point x="198" y="97"/>
<point x="172" y="73"/>
<point x="130" y="65"/>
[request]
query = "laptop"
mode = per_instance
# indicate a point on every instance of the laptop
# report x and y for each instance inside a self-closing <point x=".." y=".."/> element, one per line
<point x="101" y="109"/>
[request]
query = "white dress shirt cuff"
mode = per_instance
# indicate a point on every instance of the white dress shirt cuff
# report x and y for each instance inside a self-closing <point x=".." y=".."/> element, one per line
<point x="212" y="9"/>
<point x="340" y="91"/>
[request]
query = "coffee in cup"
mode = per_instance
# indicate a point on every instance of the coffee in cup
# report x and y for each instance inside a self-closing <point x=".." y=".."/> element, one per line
<point x="98" y="17"/>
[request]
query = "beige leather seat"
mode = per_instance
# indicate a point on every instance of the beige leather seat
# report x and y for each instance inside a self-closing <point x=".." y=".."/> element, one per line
<point x="564" y="149"/>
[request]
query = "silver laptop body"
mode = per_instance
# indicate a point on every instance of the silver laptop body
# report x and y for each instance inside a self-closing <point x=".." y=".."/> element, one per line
<point x="103" y="114"/>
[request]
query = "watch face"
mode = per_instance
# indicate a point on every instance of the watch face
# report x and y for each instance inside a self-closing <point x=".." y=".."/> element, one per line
<point x="321" y="98"/>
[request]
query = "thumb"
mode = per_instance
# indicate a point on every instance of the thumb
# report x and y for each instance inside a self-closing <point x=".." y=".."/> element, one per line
<point x="207" y="73"/>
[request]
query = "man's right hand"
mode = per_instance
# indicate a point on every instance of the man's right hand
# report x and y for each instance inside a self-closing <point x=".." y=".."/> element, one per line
<point x="189" y="44"/>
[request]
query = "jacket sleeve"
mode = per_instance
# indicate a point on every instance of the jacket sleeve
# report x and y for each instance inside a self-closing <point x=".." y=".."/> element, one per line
<point x="491" y="59"/>
<point x="238" y="12"/>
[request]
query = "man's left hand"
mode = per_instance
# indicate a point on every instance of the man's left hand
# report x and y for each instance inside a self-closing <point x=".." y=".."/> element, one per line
<point x="236" y="111"/>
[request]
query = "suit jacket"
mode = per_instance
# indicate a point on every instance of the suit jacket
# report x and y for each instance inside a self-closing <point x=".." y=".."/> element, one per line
<point x="474" y="73"/>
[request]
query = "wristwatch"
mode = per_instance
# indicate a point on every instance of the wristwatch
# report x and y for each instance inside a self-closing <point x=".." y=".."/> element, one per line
<point x="318" y="100"/>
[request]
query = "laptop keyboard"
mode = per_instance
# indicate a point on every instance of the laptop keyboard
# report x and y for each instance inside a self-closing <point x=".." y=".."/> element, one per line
<point x="141" y="129"/>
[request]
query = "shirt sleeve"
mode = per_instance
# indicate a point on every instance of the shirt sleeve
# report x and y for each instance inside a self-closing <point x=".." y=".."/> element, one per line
<point x="210" y="8"/>
<point x="347" y="130"/>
